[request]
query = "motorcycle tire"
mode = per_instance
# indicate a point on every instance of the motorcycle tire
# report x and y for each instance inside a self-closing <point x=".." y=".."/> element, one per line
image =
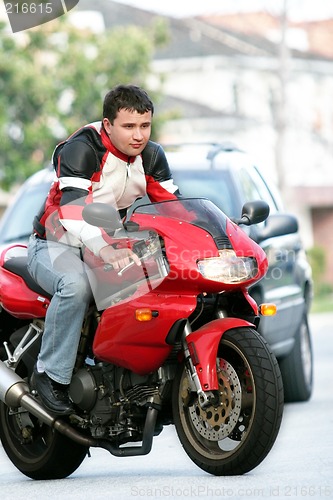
<point x="235" y="434"/>
<point x="35" y="449"/>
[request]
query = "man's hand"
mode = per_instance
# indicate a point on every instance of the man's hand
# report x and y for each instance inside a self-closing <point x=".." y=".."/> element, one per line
<point x="118" y="257"/>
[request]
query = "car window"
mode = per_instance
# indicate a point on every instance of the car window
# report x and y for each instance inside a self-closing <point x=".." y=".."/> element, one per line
<point x="255" y="188"/>
<point x="217" y="186"/>
<point x="20" y="215"/>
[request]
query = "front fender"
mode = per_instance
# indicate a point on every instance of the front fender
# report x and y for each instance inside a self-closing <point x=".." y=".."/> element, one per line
<point x="203" y="345"/>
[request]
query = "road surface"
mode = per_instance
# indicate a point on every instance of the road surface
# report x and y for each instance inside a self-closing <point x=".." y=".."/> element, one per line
<point x="300" y="465"/>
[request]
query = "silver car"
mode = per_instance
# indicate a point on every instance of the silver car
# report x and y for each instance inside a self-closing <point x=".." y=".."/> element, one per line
<point x="227" y="176"/>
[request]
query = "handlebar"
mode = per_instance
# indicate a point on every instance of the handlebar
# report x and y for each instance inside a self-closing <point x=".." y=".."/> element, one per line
<point x="142" y="249"/>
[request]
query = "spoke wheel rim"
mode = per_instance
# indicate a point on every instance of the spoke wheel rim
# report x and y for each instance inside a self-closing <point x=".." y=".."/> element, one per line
<point x="231" y="434"/>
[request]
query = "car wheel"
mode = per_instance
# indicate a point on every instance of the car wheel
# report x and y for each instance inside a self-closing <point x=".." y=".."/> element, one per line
<point x="297" y="367"/>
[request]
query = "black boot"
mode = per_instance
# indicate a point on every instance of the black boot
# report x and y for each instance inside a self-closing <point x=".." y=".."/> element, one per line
<point x="54" y="396"/>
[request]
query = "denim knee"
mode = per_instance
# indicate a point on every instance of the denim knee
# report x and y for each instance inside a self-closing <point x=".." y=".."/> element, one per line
<point x="75" y="285"/>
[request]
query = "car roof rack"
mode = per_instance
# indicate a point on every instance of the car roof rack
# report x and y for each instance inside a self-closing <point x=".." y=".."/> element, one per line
<point x="223" y="146"/>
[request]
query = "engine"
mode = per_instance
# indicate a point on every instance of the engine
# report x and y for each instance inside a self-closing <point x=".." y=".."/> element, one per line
<point x="114" y="401"/>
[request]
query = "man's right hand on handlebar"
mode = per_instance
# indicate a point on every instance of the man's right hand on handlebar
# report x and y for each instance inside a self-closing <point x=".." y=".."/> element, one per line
<point x="118" y="257"/>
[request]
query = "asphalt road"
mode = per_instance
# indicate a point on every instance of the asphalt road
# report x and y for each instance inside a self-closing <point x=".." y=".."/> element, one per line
<point x="300" y="465"/>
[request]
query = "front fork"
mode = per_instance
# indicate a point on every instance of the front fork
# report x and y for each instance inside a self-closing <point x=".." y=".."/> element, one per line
<point x="203" y="397"/>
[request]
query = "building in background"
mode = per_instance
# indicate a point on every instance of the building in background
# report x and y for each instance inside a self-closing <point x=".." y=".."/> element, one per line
<point x="229" y="78"/>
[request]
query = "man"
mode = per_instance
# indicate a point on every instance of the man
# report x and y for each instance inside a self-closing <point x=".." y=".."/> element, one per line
<point x="111" y="161"/>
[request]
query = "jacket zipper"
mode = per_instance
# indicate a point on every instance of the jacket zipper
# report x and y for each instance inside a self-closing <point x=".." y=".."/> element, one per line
<point x="128" y="166"/>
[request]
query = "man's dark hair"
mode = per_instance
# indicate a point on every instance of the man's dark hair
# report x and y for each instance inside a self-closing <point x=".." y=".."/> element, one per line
<point x="128" y="97"/>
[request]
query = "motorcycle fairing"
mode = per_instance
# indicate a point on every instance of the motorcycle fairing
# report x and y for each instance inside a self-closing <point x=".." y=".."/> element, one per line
<point x="140" y="346"/>
<point x="203" y="346"/>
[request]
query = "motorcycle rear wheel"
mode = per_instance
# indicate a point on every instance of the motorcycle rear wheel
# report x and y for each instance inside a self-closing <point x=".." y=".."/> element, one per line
<point x="234" y="435"/>
<point x="35" y="449"/>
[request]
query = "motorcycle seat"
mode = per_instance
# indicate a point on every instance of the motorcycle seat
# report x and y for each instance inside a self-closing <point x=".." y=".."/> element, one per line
<point x="18" y="265"/>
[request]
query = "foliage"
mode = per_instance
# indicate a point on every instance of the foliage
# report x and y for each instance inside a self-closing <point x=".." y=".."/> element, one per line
<point x="322" y="302"/>
<point x="52" y="81"/>
<point x="317" y="259"/>
<point x="323" y="291"/>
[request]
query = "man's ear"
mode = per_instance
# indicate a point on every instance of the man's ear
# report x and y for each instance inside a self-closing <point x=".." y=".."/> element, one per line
<point x="107" y="125"/>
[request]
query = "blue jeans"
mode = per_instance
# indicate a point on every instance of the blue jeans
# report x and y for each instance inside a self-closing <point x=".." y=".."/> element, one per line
<point x="59" y="270"/>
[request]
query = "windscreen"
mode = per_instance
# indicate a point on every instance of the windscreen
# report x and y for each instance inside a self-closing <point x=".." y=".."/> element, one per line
<point x="197" y="211"/>
<point x="217" y="186"/>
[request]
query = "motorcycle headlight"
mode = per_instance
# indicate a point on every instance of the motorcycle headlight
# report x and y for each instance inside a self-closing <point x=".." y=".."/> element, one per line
<point x="228" y="268"/>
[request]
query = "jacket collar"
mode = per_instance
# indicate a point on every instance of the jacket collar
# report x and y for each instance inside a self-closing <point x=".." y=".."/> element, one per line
<point x="110" y="147"/>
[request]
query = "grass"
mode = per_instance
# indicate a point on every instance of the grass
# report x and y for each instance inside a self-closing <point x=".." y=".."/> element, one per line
<point x="322" y="303"/>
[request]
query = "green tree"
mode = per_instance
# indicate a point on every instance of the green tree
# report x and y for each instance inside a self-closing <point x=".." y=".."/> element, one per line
<point x="53" y="79"/>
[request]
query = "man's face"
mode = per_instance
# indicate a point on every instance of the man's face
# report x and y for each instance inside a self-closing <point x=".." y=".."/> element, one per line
<point x="130" y="131"/>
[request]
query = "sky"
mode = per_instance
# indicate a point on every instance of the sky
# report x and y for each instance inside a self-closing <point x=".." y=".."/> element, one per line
<point x="297" y="9"/>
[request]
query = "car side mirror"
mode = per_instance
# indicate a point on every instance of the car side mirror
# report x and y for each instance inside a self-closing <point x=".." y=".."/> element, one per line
<point x="278" y="225"/>
<point x="102" y="215"/>
<point x="253" y="212"/>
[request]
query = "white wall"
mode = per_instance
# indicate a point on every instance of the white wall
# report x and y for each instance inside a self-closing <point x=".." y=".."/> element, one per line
<point x="245" y="91"/>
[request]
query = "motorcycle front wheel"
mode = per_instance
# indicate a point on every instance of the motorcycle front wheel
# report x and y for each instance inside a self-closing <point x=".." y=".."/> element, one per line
<point x="235" y="433"/>
<point x="34" y="448"/>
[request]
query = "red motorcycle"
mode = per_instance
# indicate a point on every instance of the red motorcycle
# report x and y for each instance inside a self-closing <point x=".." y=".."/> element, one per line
<point x="172" y="341"/>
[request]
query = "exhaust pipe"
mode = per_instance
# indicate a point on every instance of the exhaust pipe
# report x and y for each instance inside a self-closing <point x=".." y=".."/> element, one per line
<point x="14" y="391"/>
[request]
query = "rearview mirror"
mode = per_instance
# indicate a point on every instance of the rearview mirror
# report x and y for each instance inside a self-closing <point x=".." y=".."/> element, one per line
<point x="102" y="215"/>
<point x="253" y="212"/>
